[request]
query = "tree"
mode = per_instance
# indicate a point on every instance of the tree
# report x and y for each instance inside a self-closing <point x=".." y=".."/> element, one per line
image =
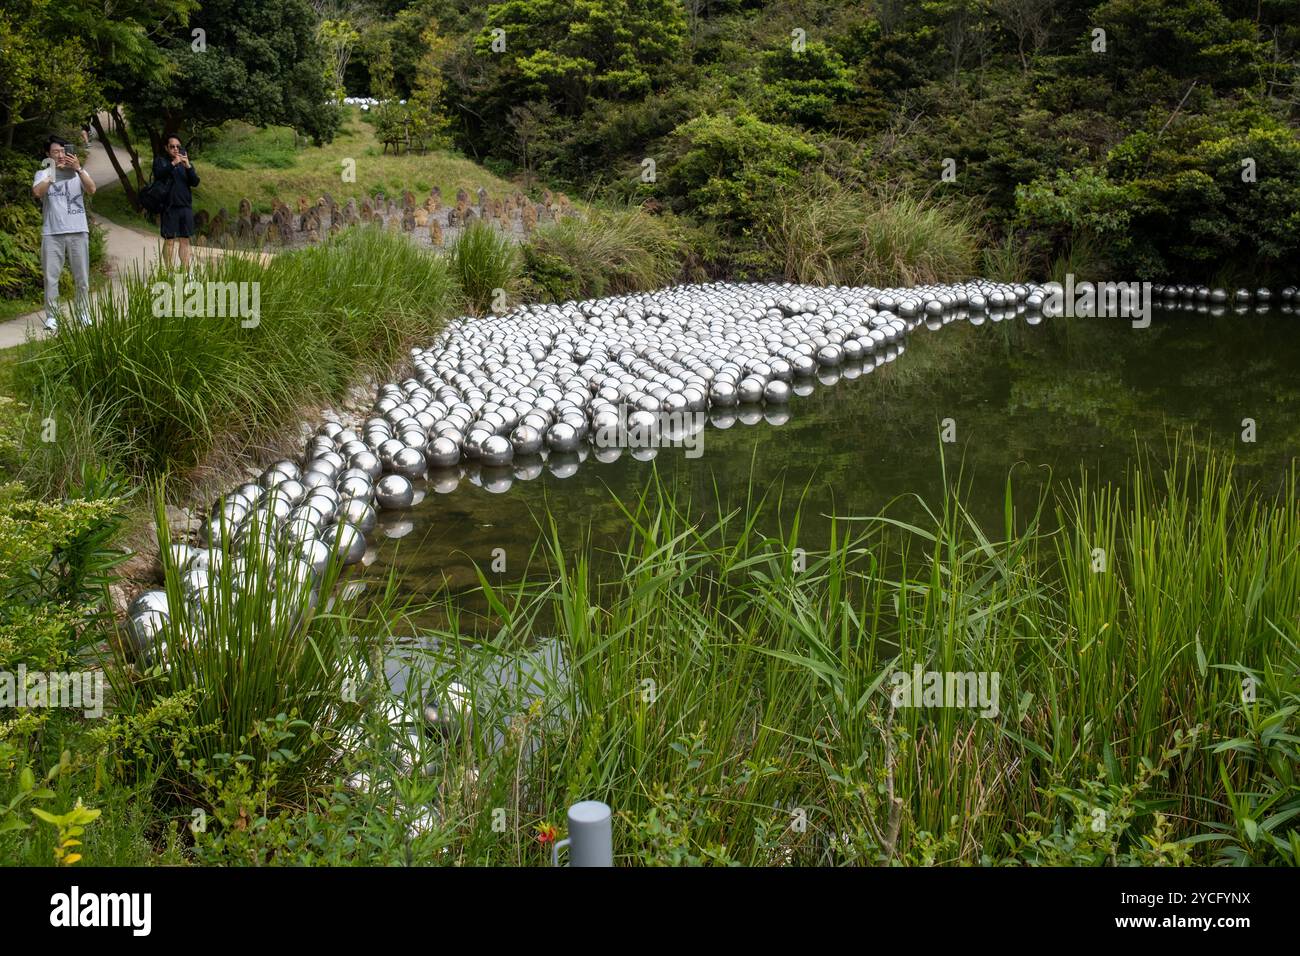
<point x="427" y="123"/>
<point x="336" y="38"/>
<point x="253" y="60"/>
<point x="566" y="50"/>
<point x="41" y="76"/>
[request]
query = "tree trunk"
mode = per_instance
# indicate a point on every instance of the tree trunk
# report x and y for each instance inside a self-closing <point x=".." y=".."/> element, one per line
<point x="117" y="166"/>
<point x="119" y="123"/>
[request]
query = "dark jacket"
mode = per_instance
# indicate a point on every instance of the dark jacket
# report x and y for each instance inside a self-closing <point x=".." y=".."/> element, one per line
<point x="182" y="180"/>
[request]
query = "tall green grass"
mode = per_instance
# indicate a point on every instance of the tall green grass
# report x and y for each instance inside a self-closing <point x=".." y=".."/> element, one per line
<point x="266" y="644"/>
<point x="829" y="235"/>
<point x="161" y="389"/>
<point x="485" y="264"/>
<point x="606" y="252"/>
<point x="732" y="703"/>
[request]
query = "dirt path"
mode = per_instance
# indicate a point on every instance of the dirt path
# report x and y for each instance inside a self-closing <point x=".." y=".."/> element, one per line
<point x="126" y="249"/>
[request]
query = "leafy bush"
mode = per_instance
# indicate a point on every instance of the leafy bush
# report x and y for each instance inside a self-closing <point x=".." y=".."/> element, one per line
<point x="734" y="169"/>
<point x="1182" y="201"/>
<point x="805" y="87"/>
<point x="56" y="559"/>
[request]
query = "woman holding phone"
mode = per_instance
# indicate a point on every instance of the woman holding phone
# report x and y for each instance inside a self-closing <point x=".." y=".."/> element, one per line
<point x="177" y="217"/>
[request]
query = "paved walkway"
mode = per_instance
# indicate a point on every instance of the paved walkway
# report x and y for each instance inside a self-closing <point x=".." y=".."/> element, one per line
<point x="126" y="249"/>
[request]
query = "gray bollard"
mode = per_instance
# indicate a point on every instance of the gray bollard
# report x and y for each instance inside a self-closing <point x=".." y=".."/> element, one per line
<point x="591" y="836"/>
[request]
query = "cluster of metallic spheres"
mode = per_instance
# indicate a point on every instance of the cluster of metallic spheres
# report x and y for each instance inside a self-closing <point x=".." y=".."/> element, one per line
<point x="500" y="397"/>
<point x="1192" y="296"/>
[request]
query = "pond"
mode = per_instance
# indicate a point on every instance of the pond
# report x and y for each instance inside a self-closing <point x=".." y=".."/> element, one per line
<point x="1034" y="401"/>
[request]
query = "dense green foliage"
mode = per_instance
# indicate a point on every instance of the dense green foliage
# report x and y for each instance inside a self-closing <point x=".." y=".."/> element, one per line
<point x="736" y="705"/>
<point x="1119" y="126"/>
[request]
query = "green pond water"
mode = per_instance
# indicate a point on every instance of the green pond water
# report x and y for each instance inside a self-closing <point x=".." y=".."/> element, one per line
<point x="1036" y="402"/>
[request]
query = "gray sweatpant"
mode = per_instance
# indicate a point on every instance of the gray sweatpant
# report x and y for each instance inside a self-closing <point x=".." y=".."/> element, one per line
<point x="74" y="248"/>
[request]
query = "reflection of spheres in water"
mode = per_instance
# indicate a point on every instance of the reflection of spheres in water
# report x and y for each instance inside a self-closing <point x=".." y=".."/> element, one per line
<point x="776" y="414"/>
<point x="607" y="454"/>
<point x="398" y="529"/>
<point x="444" y="480"/>
<point x="497" y="479"/>
<point x="644" y="454"/>
<point x="750" y="415"/>
<point x="562" y="464"/>
<point x="527" y="467"/>
<point x="722" y="417"/>
<point x="828" y="375"/>
<point x="851" y="372"/>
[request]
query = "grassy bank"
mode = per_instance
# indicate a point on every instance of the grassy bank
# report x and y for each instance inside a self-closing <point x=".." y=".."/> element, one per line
<point x="735" y="700"/>
<point x="148" y="388"/>
<point x="260" y="165"/>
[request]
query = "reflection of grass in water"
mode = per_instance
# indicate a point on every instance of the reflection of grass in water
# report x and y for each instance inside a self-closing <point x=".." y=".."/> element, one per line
<point x="717" y="682"/>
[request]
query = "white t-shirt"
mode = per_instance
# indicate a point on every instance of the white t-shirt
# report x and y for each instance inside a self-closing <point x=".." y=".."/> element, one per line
<point x="64" y="202"/>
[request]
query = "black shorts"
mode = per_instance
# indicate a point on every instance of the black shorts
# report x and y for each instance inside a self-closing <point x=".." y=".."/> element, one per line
<point x="177" y="222"/>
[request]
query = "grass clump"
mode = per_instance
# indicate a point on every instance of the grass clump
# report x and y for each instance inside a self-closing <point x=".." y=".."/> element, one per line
<point x="606" y="252"/>
<point x="827" y="235"/>
<point x="162" y="382"/>
<point x="485" y="263"/>
<point x="735" y="705"/>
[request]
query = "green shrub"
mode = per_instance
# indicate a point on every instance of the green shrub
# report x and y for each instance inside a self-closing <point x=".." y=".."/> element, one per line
<point x="1179" y="202"/>
<point x="806" y="87"/>
<point x="56" y="559"/>
<point x="733" y="170"/>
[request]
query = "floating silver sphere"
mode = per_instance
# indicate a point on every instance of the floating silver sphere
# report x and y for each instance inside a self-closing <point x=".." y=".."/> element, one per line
<point x="723" y="394"/>
<point x="562" y="437"/>
<point x="368" y="462"/>
<point x="147" y="615"/>
<point x="443" y="452"/>
<point x="317" y="555"/>
<point x="346" y="541"/>
<point x="356" y="486"/>
<point x="497" y="451"/>
<point x="526" y="440"/>
<point x="776" y="392"/>
<point x="394" y="491"/>
<point x="410" y="463"/>
<point x="750" y="390"/>
<point x="359" y="513"/>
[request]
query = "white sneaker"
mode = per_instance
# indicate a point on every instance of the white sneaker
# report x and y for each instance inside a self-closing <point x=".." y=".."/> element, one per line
<point x="51" y="325"/>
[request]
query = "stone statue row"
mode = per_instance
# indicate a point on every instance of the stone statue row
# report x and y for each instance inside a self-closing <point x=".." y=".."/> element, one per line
<point x="428" y="221"/>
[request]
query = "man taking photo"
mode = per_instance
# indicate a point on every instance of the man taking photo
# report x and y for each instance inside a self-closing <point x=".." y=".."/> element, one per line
<point x="62" y="185"/>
